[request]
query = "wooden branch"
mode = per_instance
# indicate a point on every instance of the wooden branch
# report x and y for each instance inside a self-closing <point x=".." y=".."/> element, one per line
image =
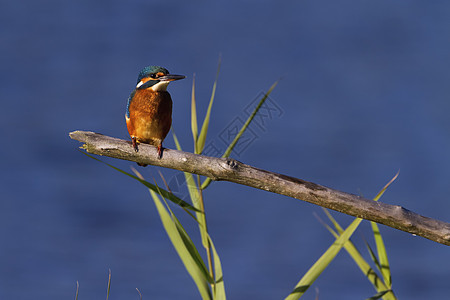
<point x="232" y="170"/>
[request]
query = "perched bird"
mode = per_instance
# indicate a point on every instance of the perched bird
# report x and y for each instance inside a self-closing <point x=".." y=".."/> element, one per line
<point x="149" y="107"/>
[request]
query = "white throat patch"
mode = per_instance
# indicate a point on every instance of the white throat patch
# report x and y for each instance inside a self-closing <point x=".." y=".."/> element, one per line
<point x="159" y="87"/>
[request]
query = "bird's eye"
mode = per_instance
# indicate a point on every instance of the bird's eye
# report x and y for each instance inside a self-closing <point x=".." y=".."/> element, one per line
<point x="153" y="75"/>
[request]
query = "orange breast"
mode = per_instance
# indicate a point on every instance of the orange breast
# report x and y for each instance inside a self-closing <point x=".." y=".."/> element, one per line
<point x="150" y="116"/>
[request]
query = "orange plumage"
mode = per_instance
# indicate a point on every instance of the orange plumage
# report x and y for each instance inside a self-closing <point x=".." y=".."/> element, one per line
<point x="150" y="116"/>
<point x="149" y="108"/>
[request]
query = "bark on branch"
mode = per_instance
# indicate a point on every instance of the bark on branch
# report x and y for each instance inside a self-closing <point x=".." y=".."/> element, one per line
<point x="234" y="171"/>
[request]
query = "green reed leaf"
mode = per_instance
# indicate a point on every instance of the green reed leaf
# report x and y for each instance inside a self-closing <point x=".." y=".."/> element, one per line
<point x="204" y="131"/>
<point x="242" y="130"/>
<point x="185" y="248"/>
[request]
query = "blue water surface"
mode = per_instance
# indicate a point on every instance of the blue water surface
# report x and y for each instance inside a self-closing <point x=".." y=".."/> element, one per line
<point x="364" y="92"/>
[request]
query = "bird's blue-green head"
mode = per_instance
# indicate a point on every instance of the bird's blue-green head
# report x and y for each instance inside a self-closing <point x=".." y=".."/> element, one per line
<point x="156" y="78"/>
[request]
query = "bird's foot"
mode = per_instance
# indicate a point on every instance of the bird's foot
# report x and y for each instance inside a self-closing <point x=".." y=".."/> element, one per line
<point x="135" y="146"/>
<point x="160" y="151"/>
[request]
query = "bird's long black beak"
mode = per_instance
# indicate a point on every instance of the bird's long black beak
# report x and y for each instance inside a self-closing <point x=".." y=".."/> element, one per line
<point x="171" y="77"/>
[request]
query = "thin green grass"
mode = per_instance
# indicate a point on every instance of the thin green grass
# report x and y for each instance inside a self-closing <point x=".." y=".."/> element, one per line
<point x="200" y="144"/>
<point x="219" y="285"/>
<point x="140" y="294"/>
<point x="78" y="288"/>
<point x="341" y="241"/>
<point x="383" y="265"/>
<point x="378" y="295"/>
<point x="244" y="127"/>
<point x="248" y="121"/>
<point x="194" y="126"/>
<point x="365" y="268"/>
<point x="322" y="263"/>
<point x="109" y="284"/>
<point x="185" y="247"/>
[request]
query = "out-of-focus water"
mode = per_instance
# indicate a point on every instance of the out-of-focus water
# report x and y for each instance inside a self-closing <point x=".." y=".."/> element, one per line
<point x="364" y="92"/>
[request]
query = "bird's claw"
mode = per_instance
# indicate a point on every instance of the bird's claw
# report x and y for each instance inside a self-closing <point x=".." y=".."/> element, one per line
<point x="135" y="146"/>
<point x="160" y="150"/>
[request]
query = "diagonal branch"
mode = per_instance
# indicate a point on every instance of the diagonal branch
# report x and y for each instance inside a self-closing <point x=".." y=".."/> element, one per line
<point x="234" y="171"/>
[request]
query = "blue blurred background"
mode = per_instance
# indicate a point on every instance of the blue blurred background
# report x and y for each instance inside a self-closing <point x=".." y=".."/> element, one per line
<point x="364" y="92"/>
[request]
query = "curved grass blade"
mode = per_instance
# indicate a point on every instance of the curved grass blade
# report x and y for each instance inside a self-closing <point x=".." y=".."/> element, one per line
<point x="194" y="124"/>
<point x="140" y="294"/>
<point x="190" y="245"/>
<point x="249" y="120"/>
<point x="204" y="131"/>
<point x="373" y="256"/>
<point x="76" y="294"/>
<point x="357" y="257"/>
<point x="196" y="199"/>
<point x="109" y="284"/>
<point x="380" y="193"/>
<point x="190" y="182"/>
<point x="188" y="242"/>
<point x="321" y="264"/>
<point x="382" y="255"/>
<point x="164" y="193"/>
<point x="219" y="285"/>
<point x="242" y="130"/>
<point x="381" y="287"/>
<point x="185" y="248"/>
<point x="378" y="295"/>
<point x="192" y="249"/>
<point x="381" y="249"/>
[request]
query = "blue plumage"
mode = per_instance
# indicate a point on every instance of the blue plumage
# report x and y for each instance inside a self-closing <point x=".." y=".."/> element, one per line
<point x="147" y="71"/>
<point x="128" y="103"/>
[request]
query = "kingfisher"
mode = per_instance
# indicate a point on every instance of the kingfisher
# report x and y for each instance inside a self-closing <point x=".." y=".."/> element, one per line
<point x="149" y="107"/>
